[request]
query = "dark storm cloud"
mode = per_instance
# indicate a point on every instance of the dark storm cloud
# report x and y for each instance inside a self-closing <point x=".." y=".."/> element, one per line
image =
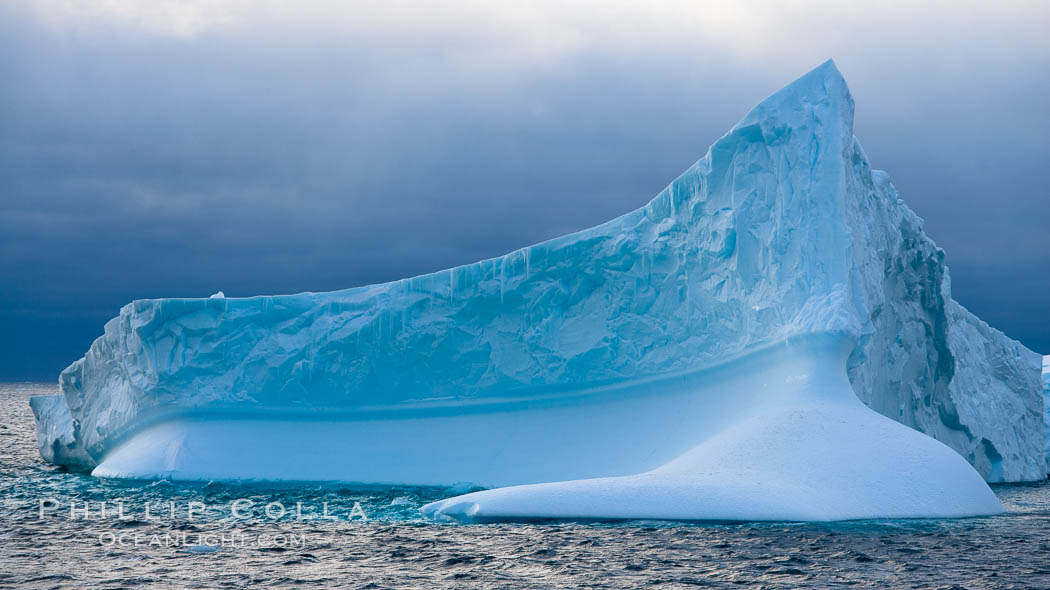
<point x="136" y="163"/>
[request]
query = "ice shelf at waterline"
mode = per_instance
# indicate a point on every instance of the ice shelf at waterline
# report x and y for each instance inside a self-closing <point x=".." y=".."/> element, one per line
<point x="705" y="356"/>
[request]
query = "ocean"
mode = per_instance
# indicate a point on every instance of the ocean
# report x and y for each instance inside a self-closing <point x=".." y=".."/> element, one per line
<point x="69" y="530"/>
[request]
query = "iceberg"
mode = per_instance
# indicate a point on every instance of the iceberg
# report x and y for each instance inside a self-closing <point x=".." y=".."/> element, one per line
<point x="1046" y="409"/>
<point x="772" y="337"/>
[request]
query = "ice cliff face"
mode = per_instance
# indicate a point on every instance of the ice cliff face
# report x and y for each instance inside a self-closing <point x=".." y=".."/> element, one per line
<point x="923" y="359"/>
<point x="781" y="230"/>
<point x="1046" y="408"/>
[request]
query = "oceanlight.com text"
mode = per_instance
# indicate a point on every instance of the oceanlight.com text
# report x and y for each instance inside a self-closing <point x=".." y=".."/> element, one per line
<point x="225" y="540"/>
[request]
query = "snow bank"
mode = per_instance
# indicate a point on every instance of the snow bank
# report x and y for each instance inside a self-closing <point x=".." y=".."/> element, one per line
<point x="808" y="451"/>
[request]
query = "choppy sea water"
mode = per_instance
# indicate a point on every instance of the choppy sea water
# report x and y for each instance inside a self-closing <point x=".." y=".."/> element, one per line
<point x="54" y="534"/>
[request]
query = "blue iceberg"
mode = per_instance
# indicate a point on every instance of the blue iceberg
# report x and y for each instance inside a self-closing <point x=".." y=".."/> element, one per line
<point x="753" y="343"/>
<point x="1046" y="408"/>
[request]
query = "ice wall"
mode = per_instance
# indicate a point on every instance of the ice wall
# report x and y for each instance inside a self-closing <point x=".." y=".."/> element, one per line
<point x="782" y="229"/>
<point x="1046" y="409"/>
<point x="924" y="360"/>
<point x="55" y="435"/>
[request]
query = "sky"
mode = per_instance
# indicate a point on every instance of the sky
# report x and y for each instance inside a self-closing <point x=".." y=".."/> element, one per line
<point x="175" y="149"/>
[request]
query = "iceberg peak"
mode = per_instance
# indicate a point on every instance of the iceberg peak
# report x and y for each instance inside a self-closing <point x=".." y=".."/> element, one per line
<point x="818" y="101"/>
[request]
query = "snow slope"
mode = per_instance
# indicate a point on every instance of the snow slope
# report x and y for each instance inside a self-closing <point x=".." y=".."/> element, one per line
<point x="781" y="232"/>
<point x="809" y="450"/>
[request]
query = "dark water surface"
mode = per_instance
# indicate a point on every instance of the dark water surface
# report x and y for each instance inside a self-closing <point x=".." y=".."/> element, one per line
<point x="394" y="547"/>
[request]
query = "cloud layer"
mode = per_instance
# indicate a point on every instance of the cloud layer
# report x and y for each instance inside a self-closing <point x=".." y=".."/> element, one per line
<point x="164" y="148"/>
